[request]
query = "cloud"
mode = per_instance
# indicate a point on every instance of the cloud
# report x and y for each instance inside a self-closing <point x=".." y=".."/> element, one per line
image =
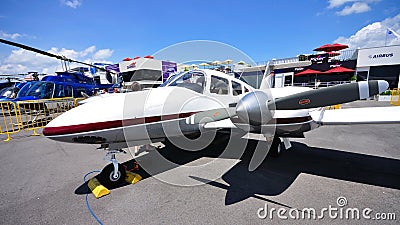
<point x="10" y="36"/>
<point x="22" y="61"/>
<point x="89" y="50"/>
<point x="103" y="54"/>
<point x="72" y="3"/>
<point x="357" y="7"/>
<point x="338" y="3"/>
<point x="373" y="35"/>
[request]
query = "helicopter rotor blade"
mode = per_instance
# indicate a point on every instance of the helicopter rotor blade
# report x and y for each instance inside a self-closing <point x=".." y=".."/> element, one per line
<point x="30" y="49"/>
<point x="49" y="54"/>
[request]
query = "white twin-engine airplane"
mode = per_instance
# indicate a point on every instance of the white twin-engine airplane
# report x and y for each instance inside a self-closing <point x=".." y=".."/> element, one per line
<point x="201" y="100"/>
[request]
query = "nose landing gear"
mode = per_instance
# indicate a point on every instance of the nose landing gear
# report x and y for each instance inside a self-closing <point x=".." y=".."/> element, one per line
<point x="113" y="174"/>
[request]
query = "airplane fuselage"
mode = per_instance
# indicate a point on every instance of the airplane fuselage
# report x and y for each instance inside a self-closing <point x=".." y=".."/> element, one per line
<point x="140" y="117"/>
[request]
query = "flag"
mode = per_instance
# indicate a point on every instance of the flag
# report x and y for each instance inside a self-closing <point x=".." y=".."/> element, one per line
<point x="392" y="34"/>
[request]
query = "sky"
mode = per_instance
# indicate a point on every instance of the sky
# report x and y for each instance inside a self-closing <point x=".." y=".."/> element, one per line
<point x="109" y="31"/>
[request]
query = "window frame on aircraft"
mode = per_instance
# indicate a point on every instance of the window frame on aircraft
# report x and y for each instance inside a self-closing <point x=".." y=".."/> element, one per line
<point x="67" y="91"/>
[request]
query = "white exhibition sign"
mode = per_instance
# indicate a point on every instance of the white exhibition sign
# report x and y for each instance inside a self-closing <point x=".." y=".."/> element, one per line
<point x="389" y="55"/>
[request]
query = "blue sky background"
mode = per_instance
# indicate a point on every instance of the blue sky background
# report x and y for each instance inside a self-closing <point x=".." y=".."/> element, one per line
<point x="112" y="30"/>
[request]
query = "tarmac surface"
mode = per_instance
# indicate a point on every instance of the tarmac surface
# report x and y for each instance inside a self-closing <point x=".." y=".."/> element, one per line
<point x="42" y="182"/>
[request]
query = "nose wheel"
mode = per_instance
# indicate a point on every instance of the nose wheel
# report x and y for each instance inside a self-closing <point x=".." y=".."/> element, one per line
<point x="113" y="174"/>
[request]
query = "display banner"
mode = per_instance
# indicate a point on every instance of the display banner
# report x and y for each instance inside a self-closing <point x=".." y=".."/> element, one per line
<point x="168" y="68"/>
<point x="389" y="55"/>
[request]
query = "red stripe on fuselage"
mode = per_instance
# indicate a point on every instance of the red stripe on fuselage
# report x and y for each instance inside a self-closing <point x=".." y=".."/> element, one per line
<point x="80" y="128"/>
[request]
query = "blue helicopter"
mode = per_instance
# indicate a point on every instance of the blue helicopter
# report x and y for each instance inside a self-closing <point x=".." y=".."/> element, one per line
<point x="70" y="83"/>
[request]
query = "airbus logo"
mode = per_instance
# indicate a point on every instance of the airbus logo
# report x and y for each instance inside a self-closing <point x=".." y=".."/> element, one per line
<point x="384" y="55"/>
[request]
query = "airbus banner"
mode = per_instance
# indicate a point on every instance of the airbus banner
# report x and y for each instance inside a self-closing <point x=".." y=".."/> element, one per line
<point x="379" y="56"/>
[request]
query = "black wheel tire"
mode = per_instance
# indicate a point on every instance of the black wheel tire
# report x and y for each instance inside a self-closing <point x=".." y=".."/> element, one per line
<point x="106" y="176"/>
<point x="276" y="148"/>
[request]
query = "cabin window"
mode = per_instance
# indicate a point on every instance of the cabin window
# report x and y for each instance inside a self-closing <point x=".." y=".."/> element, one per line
<point x="219" y="85"/>
<point x="236" y="88"/>
<point x="62" y="91"/>
<point x="68" y="91"/>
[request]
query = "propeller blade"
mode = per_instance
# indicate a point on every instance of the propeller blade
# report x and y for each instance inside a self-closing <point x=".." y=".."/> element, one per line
<point x="211" y="115"/>
<point x="260" y="153"/>
<point x="47" y="53"/>
<point x="330" y="96"/>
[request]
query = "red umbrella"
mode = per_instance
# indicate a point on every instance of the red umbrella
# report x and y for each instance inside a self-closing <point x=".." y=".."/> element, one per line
<point x="308" y="72"/>
<point x="340" y="69"/>
<point x="127" y="59"/>
<point x="331" y="47"/>
<point x="332" y="54"/>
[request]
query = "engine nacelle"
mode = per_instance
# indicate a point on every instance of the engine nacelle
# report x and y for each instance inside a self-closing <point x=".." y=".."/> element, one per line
<point x="253" y="108"/>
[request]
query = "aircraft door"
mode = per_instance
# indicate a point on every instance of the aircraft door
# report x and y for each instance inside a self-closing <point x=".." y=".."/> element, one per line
<point x="62" y="91"/>
<point x="221" y="89"/>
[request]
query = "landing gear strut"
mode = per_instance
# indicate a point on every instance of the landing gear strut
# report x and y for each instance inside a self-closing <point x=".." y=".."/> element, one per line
<point x="277" y="146"/>
<point x="113" y="174"/>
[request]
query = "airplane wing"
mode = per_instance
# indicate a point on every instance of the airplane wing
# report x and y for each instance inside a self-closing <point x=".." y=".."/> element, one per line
<point x="368" y="115"/>
<point x="256" y="108"/>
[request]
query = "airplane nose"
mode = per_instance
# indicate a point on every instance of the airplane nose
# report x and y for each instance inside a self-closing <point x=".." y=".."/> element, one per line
<point x="253" y="108"/>
<point x="56" y="130"/>
<point x="46" y="131"/>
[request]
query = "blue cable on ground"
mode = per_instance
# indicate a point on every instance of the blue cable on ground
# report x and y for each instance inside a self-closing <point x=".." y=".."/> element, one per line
<point x="87" y="194"/>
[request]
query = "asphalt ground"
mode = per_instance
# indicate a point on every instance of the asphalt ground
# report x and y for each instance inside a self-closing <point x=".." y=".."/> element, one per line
<point x="42" y="182"/>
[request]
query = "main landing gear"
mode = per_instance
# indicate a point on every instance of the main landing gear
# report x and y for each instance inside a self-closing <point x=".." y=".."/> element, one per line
<point x="277" y="146"/>
<point x="113" y="174"/>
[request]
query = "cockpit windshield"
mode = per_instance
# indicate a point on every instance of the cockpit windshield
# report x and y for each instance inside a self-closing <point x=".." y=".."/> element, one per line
<point x="41" y="90"/>
<point x="171" y="78"/>
<point x="193" y="80"/>
<point x="25" y="89"/>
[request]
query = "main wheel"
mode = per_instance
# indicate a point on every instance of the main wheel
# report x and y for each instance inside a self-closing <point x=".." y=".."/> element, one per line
<point x="107" y="177"/>
<point x="275" y="148"/>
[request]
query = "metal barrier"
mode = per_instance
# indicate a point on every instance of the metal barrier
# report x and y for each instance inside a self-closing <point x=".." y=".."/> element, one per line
<point x="9" y="121"/>
<point x="32" y="115"/>
<point x="395" y="97"/>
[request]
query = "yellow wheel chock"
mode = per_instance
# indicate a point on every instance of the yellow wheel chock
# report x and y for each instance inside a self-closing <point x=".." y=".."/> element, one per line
<point x="132" y="178"/>
<point x="99" y="190"/>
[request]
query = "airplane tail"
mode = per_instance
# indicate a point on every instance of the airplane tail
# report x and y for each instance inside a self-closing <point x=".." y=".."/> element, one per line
<point x="267" y="79"/>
